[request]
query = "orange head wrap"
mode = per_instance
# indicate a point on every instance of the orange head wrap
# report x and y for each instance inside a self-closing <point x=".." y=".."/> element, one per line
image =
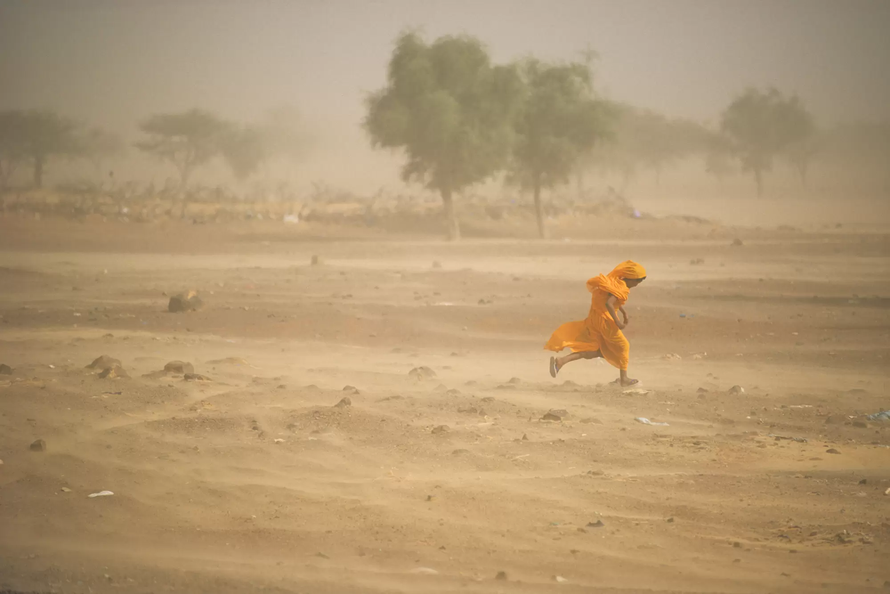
<point x="628" y="269"/>
<point x="613" y="284"/>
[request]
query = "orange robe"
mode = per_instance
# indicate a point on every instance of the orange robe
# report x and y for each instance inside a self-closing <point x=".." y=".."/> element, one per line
<point x="599" y="332"/>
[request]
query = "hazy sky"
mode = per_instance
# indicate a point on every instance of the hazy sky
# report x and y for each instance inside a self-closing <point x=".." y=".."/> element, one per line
<point x="116" y="61"/>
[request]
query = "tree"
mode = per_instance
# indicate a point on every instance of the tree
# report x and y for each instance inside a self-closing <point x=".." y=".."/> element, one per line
<point x="187" y="140"/>
<point x="762" y="124"/>
<point x="450" y="110"/>
<point x="38" y="136"/>
<point x="558" y="121"/>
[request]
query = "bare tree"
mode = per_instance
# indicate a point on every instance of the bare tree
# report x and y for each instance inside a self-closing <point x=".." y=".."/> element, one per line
<point x="187" y="140"/>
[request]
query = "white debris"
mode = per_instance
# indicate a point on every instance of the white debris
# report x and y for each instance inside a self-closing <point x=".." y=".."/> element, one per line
<point x="646" y="421"/>
<point x="100" y="494"/>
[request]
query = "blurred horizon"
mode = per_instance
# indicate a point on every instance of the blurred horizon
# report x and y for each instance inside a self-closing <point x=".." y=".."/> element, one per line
<point x="115" y="63"/>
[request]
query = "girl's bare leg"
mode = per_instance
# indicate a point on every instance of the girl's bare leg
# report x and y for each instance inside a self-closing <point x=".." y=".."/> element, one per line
<point x="558" y="362"/>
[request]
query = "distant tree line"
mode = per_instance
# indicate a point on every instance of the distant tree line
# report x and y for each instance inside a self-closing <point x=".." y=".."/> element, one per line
<point x="186" y="140"/>
<point x="458" y="120"/>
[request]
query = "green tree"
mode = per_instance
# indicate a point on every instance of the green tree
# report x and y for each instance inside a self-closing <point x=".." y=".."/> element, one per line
<point x="187" y="140"/>
<point x="451" y="112"/>
<point x="762" y="124"/>
<point x="559" y="121"/>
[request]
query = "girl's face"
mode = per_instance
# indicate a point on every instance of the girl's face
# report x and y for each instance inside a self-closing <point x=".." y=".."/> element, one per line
<point x="633" y="282"/>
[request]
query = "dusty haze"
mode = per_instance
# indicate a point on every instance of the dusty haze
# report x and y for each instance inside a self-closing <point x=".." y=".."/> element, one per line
<point x="352" y="404"/>
<point x="114" y="63"/>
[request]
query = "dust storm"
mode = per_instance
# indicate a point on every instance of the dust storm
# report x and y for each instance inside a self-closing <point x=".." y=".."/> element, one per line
<point x="276" y="281"/>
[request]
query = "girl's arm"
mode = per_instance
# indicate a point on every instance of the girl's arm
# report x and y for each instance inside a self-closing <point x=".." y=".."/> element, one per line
<point x="623" y="314"/>
<point x="610" y="305"/>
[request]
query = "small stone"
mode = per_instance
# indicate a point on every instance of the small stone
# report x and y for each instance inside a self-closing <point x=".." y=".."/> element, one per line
<point x="5" y="369"/>
<point x="183" y="302"/>
<point x="735" y="390"/>
<point x="737" y="242"/>
<point x="315" y="261"/>
<point x="736" y="545"/>
<point x="834" y="420"/>
<point x="350" y="390"/>
<point x="179" y="367"/>
<point x="460" y="452"/>
<point x="860" y="424"/>
<point x="560" y="580"/>
<point x="195" y="377"/>
<point x="887" y="492"/>
<point x="501" y="575"/>
<point x="440" y="429"/>
<point x="38" y="446"/>
<point x="597" y="524"/>
<point x="863" y="482"/>
<point x="670" y="520"/>
<point x="344" y="402"/>
<point x="832" y="451"/>
<point x="551" y="417"/>
<point x="437" y="264"/>
<point x="421" y="373"/>
<point x="65" y="490"/>
<point x="113" y="372"/>
<point x="591" y="420"/>
<point x="104" y="362"/>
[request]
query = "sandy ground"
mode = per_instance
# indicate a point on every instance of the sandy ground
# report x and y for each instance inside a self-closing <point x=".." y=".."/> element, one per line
<point x="254" y="480"/>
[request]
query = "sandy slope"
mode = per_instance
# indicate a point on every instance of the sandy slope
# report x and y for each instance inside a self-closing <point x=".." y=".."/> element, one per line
<point x="255" y="479"/>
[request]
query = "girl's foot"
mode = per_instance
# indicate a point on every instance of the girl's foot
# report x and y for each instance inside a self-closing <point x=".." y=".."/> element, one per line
<point x="625" y="382"/>
<point x="554" y="367"/>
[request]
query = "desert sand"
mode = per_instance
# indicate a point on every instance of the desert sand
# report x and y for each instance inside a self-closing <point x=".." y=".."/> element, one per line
<point x="376" y="422"/>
